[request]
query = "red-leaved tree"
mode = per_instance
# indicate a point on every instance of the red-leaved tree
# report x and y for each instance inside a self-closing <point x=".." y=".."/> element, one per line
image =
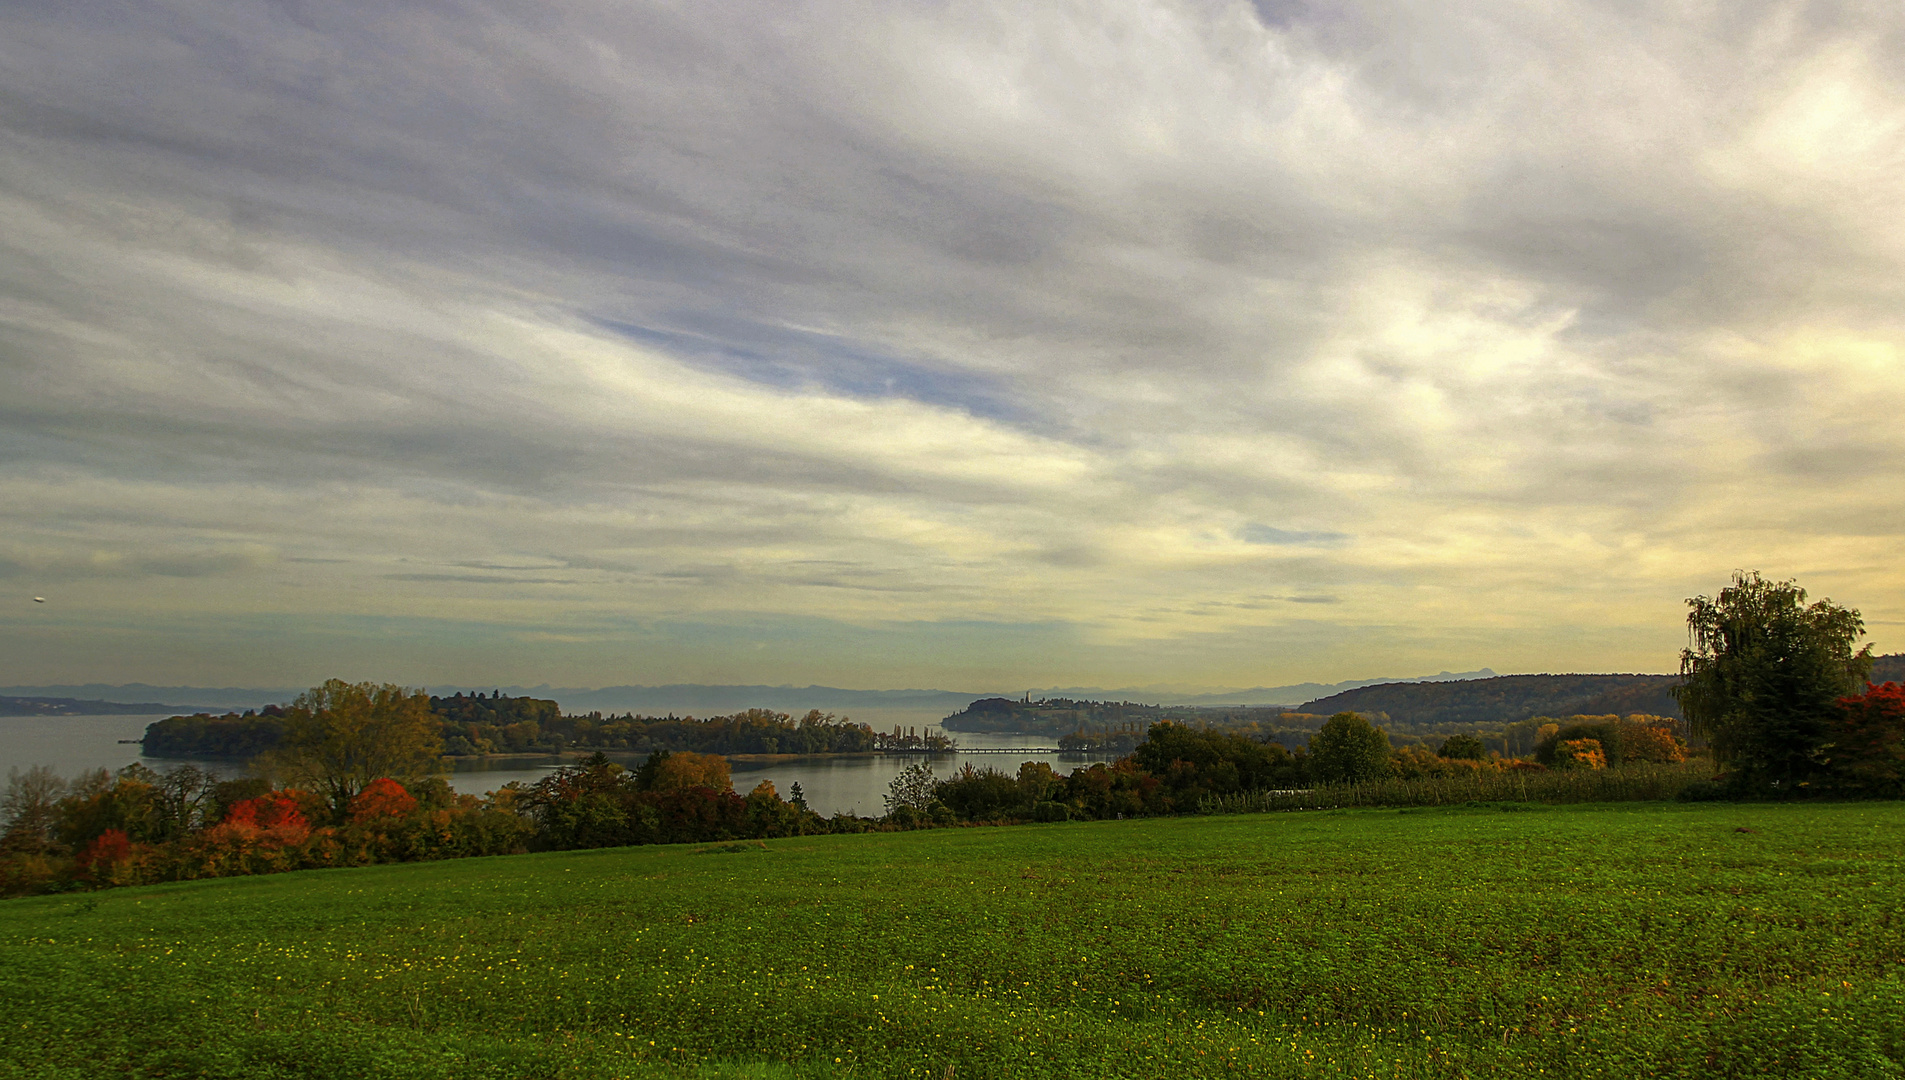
<point x="272" y="810"/>
<point x="1867" y="748"/>
<point x="382" y="798"/>
<point x="107" y="850"/>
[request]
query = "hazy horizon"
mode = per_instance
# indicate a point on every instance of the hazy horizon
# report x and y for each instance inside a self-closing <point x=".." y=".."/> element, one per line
<point x="1137" y="343"/>
<point x="702" y="696"/>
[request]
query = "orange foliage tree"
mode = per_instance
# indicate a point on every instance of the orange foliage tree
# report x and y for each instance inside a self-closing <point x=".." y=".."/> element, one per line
<point x="272" y="810"/>
<point x="383" y="798"/>
<point x="684" y="769"/>
<point x="1579" y="754"/>
<point x="1648" y="742"/>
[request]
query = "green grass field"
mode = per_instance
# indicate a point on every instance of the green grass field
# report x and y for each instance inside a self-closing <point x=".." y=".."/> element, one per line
<point x="1600" y="940"/>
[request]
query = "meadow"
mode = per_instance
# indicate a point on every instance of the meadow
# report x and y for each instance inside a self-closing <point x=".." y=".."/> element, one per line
<point x="1636" y="939"/>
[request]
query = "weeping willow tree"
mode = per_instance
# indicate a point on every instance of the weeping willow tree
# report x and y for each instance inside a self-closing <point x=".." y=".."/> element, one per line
<point x="1762" y="673"/>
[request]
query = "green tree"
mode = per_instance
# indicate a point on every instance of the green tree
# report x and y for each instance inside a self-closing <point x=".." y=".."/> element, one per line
<point x="1762" y="675"/>
<point x="1463" y="746"/>
<point x="341" y="736"/>
<point x="1347" y="750"/>
<point x="912" y="790"/>
<point x="1193" y="763"/>
<point x="979" y="794"/>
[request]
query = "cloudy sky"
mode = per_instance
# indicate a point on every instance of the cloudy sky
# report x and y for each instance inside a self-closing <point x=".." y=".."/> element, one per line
<point x="938" y="344"/>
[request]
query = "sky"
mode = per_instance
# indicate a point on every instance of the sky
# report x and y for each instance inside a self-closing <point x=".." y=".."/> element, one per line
<point x="919" y="344"/>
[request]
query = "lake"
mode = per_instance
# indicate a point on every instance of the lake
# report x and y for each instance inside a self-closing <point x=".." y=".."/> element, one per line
<point x="855" y="785"/>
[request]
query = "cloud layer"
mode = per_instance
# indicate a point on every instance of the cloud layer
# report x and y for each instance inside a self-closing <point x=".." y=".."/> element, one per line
<point x="883" y="345"/>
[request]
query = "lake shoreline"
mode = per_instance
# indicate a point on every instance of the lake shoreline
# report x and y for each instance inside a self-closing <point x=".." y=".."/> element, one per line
<point x="619" y="756"/>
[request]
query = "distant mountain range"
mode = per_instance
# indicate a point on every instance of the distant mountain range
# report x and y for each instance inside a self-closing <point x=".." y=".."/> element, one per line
<point x="61" y="706"/>
<point x="1446" y="693"/>
<point x="706" y="698"/>
<point x="146" y="696"/>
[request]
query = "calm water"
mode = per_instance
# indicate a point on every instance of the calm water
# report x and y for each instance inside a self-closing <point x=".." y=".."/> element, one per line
<point x="76" y="744"/>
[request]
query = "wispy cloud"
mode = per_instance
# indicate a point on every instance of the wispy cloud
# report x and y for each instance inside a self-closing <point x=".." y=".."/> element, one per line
<point x="1264" y="534"/>
<point x="1485" y="333"/>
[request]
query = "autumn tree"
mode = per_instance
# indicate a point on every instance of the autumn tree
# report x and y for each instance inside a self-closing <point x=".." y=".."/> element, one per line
<point x="341" y="736"/>
<point x="1347" y="749"/>
<point x="1763" y="673"/>
<point x="683" y="769"/>
<point x="29" y="811"/>
<point x="1867" y="752"/>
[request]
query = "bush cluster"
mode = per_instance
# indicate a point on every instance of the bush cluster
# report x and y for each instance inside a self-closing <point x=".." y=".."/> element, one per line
<point x="1860" y="755"/>
<point x="139" y="826"/>
<point x="1178" y="769"/>
<point x="1597" y="742"/>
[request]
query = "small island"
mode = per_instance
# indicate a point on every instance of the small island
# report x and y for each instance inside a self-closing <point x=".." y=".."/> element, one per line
<point x="476" y="726"/>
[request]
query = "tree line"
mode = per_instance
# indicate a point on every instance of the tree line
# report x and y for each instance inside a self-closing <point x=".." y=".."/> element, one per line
<point x="1773" y="684"/>
<point x="495" y="724"/>
<point x="349" y="782"/>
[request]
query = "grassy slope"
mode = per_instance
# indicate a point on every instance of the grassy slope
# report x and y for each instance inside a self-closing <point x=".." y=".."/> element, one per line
<point x="1579" y="941"/>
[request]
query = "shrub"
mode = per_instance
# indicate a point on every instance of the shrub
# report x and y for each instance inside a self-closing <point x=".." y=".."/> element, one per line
<point x="272" y="810"/>
<point x="1194" y="763"/>
<point x="683" y="769"/>
<point x="1532" y="784"/>
<point x="227" y="793"/>
<point x="1646" y="742"/>
<point x="980" y="794"/>
<point x="236" y="847"/>
<point x="383" y="798"/>
<point x="1118" y="789"/>
<point x="912" y="789"/>
<point x="1605" y="730"/>
<point x="1412" y="762"/>
<point x="1037" y="782"/>
<point x="1866" y="752"/>
<point x="1579" y="754"/>
<point x="1636" y="738"/>
<point x="104" y="855"/>
<point x="27" y="873"/>
<point x="1464" y="746"/>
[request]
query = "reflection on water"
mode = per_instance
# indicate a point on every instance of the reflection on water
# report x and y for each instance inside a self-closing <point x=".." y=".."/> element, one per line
<point x="855" y="785"/>
<point x="858" y="785"/>
<point x="72" y="745"/>
<point x="849" y="785"/>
